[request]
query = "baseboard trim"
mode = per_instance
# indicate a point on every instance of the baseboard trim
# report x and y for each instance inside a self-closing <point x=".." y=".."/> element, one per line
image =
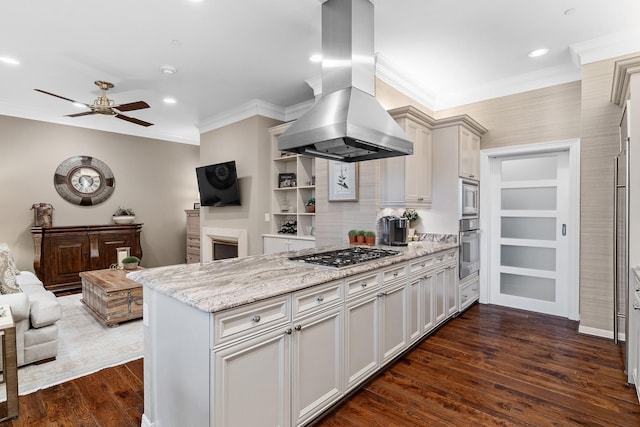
<point x="145" y="422"/>
<point x="602" y="333"/>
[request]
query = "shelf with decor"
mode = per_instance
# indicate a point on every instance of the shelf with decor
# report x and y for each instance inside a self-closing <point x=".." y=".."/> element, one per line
<point x="293" y="192"/>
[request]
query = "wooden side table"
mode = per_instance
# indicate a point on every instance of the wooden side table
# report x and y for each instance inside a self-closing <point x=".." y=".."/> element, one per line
<point x="9" y="361"/>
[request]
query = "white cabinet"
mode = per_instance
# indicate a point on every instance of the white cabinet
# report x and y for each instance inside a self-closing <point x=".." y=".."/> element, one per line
<point x="252" y="382"/>
<point x="317" y="370"/>
<point x="274" y="244"/>
<point x="394" y="331"/>
<point x="293" y="186"/>
<point x="415" y="310"/>
<point x="469" y="291"/>
<point x="469" y="153"/>
<point x="405" y="181"/>
<point x="362" y="314"/>
<point x="451" y="279"/>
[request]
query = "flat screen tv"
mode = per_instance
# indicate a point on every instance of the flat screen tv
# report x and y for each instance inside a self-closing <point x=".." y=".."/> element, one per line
<point x="218" y="184"/>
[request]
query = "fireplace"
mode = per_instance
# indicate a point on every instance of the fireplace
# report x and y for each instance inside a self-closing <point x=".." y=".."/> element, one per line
<point x="220" y="243"/>
<point x="223" y="249"/>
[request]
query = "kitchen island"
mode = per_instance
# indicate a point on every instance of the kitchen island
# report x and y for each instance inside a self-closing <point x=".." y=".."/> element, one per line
<point x="267" y="341"/>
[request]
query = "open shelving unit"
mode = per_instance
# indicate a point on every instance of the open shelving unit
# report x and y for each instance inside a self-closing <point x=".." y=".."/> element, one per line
<point x="293" y="184"/>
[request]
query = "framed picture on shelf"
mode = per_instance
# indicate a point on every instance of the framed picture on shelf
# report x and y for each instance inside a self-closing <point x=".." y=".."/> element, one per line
<point x="343" y="181"/>
<point x="287" y="180"/>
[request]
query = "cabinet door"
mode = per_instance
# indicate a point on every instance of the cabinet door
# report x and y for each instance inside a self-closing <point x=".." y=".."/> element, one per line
<point x="451" y="278"/>
<point x="251" y="382"/>
<point x="418" y="166"/>
<point x="394" y="320"/>
<point x="107" y="244"/>
<point x="361" y="339"/>
<point x="415" y="308"/>
<point x="272" y="245"/>
<point x="428" y="300"/>
<point x="69" y="255"/>
<point x="317" y="368"/>
<point x="469" y="154"/>
<point x="440" y="295"/>
<point x="298" y="244"/>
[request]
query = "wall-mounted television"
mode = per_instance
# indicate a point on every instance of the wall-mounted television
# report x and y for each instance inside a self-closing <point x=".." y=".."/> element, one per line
<point x="218" y="184"/>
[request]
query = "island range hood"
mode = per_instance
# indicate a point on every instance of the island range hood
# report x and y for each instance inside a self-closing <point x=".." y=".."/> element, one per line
<point x="347" y="123"/>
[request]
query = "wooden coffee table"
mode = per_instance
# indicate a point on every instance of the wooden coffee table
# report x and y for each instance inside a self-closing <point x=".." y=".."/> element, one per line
<point x="110" y="296"/>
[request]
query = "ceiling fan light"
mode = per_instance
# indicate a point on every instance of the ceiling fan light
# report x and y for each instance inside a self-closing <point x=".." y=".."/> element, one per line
<point x="538" y="52"/>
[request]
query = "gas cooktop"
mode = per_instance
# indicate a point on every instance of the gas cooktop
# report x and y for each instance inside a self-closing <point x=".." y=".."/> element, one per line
<point x="344" y="257"/>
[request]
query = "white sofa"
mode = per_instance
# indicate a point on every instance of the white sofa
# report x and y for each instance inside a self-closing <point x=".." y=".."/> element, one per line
<point x="35" y="313"/>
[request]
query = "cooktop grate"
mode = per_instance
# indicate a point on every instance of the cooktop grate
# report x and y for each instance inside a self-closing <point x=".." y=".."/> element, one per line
<point x="344" y="257"/>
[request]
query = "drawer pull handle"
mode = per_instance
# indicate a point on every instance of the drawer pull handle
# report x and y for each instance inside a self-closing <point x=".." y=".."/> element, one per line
<point x="320" y="298"/>
<point x="423" y="265"/>
<point x="380" y="295"/>
<point x="298" y="327"/>
<point x="395" y="274"/>
<point x="364" y="285"/>
<point x="255" y="318"/>
<point x="288" y="331"/>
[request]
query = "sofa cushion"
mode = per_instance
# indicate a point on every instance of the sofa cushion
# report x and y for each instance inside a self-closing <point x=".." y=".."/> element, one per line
<point x="28" y="278"/>
<point x="8" y="271"/>
<point x="19" y="304"/>
<point x="45" y="309"/>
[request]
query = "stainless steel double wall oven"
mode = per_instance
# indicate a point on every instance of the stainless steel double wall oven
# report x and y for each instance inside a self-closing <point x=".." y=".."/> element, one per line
<point x="469" y="227"/>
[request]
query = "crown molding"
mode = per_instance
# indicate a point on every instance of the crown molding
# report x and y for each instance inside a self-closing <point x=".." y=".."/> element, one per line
<point x="606" y="47"/>
<point x="191" y="137"/>
<point x="622" y="72"/>
<point x="389" y="73"/>
<point x="252" y="108"/>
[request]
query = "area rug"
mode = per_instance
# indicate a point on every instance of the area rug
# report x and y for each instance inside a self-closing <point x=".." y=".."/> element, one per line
<point x="84" y="346"/>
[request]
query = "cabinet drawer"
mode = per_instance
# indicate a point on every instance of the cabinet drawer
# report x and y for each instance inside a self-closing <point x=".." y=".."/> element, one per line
<point x="243" y="321"/>
<point x="308" y="300"/>
<point x="394" y="273"/>
<point x="469" y="293"/>
<point x="360" y="284"/>
<point x="421" y="265"/>
<point x="193" y="243"/>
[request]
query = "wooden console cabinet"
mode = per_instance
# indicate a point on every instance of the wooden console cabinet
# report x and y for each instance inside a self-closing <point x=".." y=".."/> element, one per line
<point x="61" y="253"/>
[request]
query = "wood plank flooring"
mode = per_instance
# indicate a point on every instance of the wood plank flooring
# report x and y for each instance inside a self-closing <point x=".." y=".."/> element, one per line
<point x="490" y="366"/>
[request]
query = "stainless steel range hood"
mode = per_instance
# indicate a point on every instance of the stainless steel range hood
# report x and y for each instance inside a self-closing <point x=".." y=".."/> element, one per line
<point x="347" y="123"/>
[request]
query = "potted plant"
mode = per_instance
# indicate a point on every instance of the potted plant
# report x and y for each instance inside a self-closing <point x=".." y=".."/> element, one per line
<point x="411" y="215"/>
<point x="130" y="262"/>
<point x="352" y="236"/>
<point x="370" y="238"/>
<point x="310" y="206"/>
<point x="124" y="215"/>
<point x="360" y="236"/>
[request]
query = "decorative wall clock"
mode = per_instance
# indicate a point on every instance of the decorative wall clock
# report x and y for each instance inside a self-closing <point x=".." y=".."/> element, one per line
<point x="84" y="180"/>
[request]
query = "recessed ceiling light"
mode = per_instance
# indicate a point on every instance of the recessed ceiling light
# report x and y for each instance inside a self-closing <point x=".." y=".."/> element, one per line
<point x="538" y="52"/>
<point x="169" y="100"/>
<point x="168" y="69"/>
<point x="9" y="61"/>
<point x="316" y="57"/>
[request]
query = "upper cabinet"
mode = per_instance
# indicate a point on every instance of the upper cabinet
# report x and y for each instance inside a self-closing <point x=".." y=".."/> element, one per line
<point x="405" y="181"/>
<point x="469" y="153"/>
<point x="461" y="136"/>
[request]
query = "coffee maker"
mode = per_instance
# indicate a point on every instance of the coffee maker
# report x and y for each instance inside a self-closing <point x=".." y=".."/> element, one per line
<point x="395" y="230"/>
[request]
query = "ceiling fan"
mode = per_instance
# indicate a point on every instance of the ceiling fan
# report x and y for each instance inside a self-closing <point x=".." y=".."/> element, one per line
<point x="104" y="105"/>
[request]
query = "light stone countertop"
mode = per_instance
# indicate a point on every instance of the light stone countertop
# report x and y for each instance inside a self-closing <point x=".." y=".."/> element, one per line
<point x="229" y="283"/>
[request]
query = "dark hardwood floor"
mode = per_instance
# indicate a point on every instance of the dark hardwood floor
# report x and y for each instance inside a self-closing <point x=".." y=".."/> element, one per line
<point x="490" y="366"/>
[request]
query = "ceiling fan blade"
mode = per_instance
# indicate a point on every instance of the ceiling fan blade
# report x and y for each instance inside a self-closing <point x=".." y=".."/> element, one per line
<point x="131" y="106"/>
<point x="133" y="120"/>
<point x="61" y="97"/>
<point x="85" y="113"/>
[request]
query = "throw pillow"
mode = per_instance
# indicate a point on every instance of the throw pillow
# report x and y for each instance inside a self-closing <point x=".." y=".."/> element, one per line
<point x="8" y="271"/>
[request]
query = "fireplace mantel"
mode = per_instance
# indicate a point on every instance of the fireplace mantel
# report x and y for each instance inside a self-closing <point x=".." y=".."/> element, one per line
<point x="209" y="234"/>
